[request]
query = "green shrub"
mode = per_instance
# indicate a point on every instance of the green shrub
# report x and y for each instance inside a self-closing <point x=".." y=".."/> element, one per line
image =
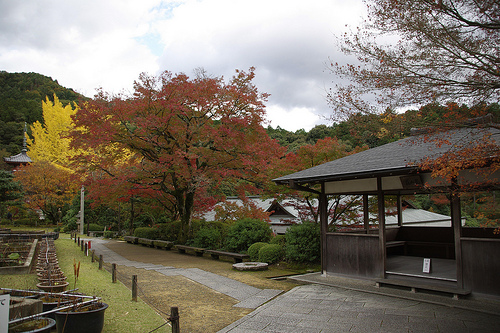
<point x="278" y="239"/>
<point x="271" y="253"/>
<point x="169" y="231"/>
<point x="244" y="233"/>
<point x="93" y="227"/>
<point x="70" y="226"/>
<point x="146" y="232"/>
<point x="28" y="221"/>
<point x="208" y="238"/>
<point x="253" y="250"/>
<point x="303" y="242"/>
<point x="109" y="234"/>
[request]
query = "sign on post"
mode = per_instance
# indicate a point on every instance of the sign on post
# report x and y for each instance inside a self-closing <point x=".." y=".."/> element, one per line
<point x="427" y="265"/>
<point x="4" y="312"/>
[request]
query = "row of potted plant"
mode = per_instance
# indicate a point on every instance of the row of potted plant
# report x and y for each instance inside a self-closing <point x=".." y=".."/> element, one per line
<point x="50" y="276"/>
<point x="68" y="311"/>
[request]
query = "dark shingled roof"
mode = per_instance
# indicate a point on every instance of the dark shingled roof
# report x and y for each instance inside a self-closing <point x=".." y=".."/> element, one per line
<point x="394" y="157"/>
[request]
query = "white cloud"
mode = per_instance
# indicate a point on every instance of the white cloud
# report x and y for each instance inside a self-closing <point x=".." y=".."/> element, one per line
<point x="108" y="43"/>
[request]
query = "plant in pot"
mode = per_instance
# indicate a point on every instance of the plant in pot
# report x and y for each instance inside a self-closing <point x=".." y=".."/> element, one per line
<point x="82" y="317"/>
<point x="33" y="325"/>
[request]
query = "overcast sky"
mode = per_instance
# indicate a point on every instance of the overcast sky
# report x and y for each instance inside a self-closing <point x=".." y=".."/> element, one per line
<point x="108" y="43"/>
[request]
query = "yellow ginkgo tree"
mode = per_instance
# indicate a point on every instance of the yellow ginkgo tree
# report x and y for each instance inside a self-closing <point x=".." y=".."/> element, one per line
<point x="49" y="141"/>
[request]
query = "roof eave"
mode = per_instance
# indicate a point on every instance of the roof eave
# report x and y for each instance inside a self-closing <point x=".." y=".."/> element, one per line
<point x="348" y="176"/>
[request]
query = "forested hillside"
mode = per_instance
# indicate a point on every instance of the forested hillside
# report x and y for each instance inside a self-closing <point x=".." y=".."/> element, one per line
<point x="21" y="96"/>
<point x="375" y="130"/>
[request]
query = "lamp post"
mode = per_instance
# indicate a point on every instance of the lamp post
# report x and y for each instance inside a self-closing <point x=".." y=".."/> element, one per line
<point x="82" y="207"/>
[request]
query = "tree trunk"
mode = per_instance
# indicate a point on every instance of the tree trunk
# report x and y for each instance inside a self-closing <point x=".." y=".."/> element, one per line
<point x="185" y="202"/>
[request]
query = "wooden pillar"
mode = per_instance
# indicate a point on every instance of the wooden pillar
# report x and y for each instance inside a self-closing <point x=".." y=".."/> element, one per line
<point x="381" y="226"/>
<point x="400" y="210"/>
<point x="323" y="218"/>
<point x="456" y="222"/>
<point x="366" y="213"/>
<point x="134" y="288"/>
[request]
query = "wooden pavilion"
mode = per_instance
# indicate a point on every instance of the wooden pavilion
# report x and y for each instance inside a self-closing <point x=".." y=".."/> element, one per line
<point x="462" y="259"/>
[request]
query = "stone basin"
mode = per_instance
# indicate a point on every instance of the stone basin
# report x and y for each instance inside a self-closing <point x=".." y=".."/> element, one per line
<point x="250" y="266"/>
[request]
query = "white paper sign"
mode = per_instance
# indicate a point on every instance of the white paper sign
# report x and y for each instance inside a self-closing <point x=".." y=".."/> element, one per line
<point x="427" y="265"/>
<point x="4" y="313"/>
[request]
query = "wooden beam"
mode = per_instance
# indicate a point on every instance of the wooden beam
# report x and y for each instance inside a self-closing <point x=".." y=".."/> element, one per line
<point x="366" y="213"/>
<point x="323" y="218"/>
<point x="295" y="186"/>
<point x="456" y="222"/>
<point x="400" y="210"/>
<point x="381" y="226"/>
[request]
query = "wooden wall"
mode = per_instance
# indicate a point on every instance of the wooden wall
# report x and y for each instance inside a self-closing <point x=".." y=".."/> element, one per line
<point x="481" y="265"/>
<point x="354" y="254"/>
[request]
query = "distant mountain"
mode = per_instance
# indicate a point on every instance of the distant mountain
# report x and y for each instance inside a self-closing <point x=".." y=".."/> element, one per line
<point x="21" y="96"/>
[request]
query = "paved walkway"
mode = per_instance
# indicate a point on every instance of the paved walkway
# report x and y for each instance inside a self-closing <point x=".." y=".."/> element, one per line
<point x="249" y="297"/>
<point x="319" y="308"/>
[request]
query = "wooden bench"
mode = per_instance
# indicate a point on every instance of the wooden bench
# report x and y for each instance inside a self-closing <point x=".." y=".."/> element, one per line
<point x="415" y="286"/>
<point x="161" y="244"/>
<point x="238" y="257"/>
<point x="394" y="244"/>
<point x="131" y="239"/>
<point x="145" y="242"/>
<point x="197" y="250"/>
<point x="448" y="247"/>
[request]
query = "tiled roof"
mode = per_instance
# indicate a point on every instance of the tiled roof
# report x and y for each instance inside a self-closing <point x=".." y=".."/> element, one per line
<point x="22" y="157"/>
<point x="396" y="156"/>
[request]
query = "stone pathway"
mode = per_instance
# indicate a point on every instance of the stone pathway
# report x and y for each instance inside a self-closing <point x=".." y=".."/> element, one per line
<point x="317" y="308"/>
<point x="320" y="309"/>
<point x="249" y="297"/>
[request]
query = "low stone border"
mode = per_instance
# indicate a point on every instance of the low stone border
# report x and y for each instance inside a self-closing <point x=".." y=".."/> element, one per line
<point x="250" y="266"/>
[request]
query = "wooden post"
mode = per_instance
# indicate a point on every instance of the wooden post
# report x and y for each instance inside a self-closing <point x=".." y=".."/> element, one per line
<point x="456" y="223"/>
<point x="86" y="248"/>
<point x="381" y="227"/>
<point x="400" y="210"/>
<point x="366" y="214"/>
<point x="81" y="245"/>
<point x="174" y="319"/>
<point x="75" y="238"/>
<point x="134" y="288"/>
<point x="113" y="273"/>
<point x="78" y="240"/>
<point x="100" y="261"/>
<point x="92" y="253"/>
<point x="323" y="220"/>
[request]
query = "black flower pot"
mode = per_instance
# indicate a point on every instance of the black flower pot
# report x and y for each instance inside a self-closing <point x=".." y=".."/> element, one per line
<point x="26" y="327"/>
<point x="88" y="321"/>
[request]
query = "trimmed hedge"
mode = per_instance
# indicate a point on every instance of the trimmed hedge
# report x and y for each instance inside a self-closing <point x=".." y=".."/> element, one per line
<point x="245" y="232"/>
<point x="271" y="253"/>
<point x="253" y="250"/>
<point x="146" y="232"/>
<point x="303" y="242"/>
<point x="208" y="238"/>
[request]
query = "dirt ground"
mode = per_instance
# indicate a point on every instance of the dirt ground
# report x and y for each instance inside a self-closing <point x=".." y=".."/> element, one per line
<point x="201" y="309"/>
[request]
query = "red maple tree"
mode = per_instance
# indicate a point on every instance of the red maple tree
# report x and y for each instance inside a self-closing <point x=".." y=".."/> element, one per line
<point x="186" y="134"/>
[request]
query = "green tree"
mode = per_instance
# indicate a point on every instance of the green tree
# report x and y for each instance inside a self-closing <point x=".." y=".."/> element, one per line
<point x="10" y="191"/>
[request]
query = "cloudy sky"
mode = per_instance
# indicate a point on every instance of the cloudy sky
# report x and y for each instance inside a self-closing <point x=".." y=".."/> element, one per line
<point x="108" y="43"/>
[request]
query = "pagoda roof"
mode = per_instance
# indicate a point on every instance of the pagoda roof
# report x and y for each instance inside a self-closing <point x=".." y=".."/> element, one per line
<point x="20" y="158"/>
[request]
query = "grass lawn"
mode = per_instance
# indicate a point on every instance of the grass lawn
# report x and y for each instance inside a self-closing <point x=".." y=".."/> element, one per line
<point x="122" y="315"/>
